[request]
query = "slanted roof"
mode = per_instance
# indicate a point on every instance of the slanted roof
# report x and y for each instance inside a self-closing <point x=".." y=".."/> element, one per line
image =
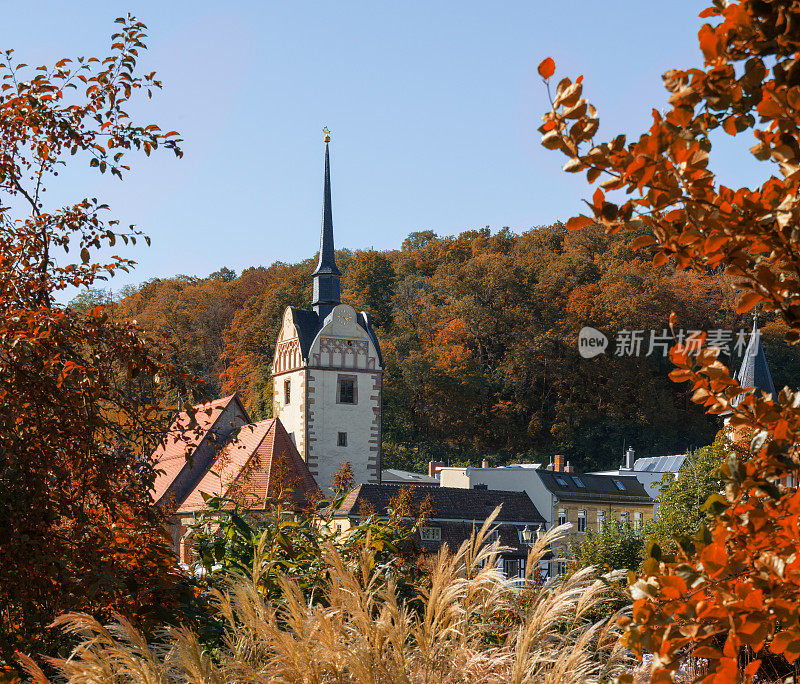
<point x="393" y="475"/>
<point x="754" y="371"/>
<point x="660" y="464"/>
<point x="447" y="503"/>
<point x="307" y="324"/>
<point x="258" y="461"/>
<point x="188" y="430"/>
<point x="591" y="486"/>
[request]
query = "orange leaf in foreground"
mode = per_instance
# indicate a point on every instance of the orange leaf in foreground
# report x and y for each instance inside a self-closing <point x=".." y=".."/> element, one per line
<point x="578" y="222"/>
<point x="547" y="68"/>
<point x="748" y="301"/>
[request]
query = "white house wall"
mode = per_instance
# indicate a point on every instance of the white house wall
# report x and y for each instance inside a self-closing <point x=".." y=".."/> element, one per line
<point x="503" y="479"/>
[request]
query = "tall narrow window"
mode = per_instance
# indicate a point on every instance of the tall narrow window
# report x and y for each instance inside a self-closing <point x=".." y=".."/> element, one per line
<point x="625" y="518"/>
<point x="342" y="439"/>
<point x="512" y="567"/>
<point x="601" y="520"/>
<point x="346" y="390"/>
<point x="287" y="392"/>
<point x="562" y="517"/>
<point x="581" y="521"/>
<point x="638" y="521"/>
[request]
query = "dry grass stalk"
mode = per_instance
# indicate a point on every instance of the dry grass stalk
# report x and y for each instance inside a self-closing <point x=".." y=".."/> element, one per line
<point x="363" y="633"/>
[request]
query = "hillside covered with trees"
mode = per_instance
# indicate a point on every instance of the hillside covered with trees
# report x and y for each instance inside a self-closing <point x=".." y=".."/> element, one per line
<point x="479" y="336"/>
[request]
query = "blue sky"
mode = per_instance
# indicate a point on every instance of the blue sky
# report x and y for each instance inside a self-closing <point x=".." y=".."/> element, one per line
<point x="433" y="108"/>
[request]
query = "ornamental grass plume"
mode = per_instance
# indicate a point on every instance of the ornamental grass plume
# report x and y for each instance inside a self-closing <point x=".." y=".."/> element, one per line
<point x="467" y="623"/>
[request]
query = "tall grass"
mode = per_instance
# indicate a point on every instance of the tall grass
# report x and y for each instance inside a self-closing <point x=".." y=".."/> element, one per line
<point x="470" y="625"/>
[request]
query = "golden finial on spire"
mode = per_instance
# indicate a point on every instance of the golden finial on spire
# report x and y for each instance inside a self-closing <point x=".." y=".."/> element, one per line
<point x="327" y="133"/>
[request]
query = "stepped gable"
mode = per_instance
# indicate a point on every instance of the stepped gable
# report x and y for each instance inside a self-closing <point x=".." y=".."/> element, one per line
<point x="258" y="461"/>
<point x="188" y="431"/>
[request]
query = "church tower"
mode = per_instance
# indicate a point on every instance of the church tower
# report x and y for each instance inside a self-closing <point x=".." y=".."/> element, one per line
<point x="327" y="372"/>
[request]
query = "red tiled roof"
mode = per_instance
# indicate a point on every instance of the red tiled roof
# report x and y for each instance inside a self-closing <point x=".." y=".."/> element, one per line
<point x="183" y="437"/>
<point x="256" y="463"/>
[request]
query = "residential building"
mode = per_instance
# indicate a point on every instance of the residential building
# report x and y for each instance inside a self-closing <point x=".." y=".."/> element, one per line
<point x="586" y="500"/>
<point x="649" y="471"/>
<point x="455" y="514"/>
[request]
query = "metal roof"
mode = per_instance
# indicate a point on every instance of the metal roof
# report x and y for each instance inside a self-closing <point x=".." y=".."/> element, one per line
<point x="660" y="464"/>
<point x="754" y="371"/>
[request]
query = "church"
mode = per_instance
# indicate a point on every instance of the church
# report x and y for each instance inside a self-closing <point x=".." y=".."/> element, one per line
<point x="327" y="374"/>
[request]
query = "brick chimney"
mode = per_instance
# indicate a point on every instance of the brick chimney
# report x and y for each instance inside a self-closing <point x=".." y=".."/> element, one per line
<point x="568" y="468"/>
<point x="558" y="463"/>
<point x="434" y="467"/>
<point x="485" y="463"/>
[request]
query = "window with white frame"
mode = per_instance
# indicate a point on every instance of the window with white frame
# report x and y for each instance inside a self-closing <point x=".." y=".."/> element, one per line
<point x="561" y="568"/>
<point x="601" y="520"/>
<point x="562" y="516"/>
<point x="581" y="521"/>
<point x="493" y="536"/>
<point x="430" y="533"/>
<point x="625" y="518"/>
<point x="638" y="521"/>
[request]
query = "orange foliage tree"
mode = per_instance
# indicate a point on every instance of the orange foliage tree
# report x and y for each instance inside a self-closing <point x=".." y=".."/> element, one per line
<point x="77" y="527"/>
<point x="731" y="596"/>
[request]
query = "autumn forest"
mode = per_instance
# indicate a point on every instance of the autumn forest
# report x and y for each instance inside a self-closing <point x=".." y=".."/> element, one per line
<point x="479" y="337"/>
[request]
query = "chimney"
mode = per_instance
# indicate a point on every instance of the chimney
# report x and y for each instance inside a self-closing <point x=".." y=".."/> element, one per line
<point x="629" y="458"/>
<point x="558" y="463"/>
<point x="485" y="463"/>
<point x="568" y="468"/>
<point x="434" y="467"/>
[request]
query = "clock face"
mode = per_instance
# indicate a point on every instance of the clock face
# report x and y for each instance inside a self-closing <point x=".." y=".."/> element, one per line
<point x="343" y="319"/>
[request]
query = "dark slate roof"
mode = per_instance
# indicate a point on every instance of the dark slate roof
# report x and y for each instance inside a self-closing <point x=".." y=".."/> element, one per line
<point x="327" y="257"/>
<point x="754" y="371"/>
<point x="308" y="324"/>
<point x="365" y="322"/>
<point x="448" y="503"/>
<point x="568" y="486"/>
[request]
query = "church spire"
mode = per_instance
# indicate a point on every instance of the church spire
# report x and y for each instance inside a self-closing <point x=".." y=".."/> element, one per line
<point x="754" y="371"/>
<point x="326" y="276"/>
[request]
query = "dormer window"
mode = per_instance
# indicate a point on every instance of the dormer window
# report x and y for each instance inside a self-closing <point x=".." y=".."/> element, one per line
<point x="430" y="533"/>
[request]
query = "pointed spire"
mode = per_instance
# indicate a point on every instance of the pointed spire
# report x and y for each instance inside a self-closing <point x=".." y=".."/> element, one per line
<point x="754" y="371"/>
<point x="326" y="276"/>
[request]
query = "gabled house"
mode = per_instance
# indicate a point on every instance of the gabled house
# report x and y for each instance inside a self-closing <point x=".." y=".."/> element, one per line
<point x="650" y="470"/>
<point x="221" y="453"/>
<point x="454" y="515"/>
<point x="585" y="500"/>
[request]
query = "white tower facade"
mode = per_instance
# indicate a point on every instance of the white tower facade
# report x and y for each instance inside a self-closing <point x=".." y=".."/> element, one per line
<point x="327" y="374"/>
